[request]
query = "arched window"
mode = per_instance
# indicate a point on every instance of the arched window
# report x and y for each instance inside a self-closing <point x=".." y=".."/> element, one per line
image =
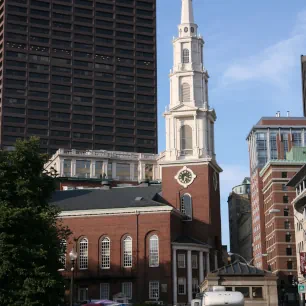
<point x="63" y="253"/>
<point x="185" y="56"/>
<point x="127" y="252"/>
<point x="83" y="253"/>
<point x="186" y="206"/>
<point x="105" y="253"/>
<point x="186" y="140"/>
<point x="185" y="92"/>
<point x="154" y="251"/>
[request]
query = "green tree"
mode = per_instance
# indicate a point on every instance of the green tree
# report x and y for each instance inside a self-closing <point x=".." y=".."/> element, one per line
<point x="30" y="231"/>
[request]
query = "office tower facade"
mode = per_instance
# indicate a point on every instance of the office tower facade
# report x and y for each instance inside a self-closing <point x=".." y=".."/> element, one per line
<point x="240" y="220"/>
<point x="270" y="139"/>
<point x="272" y="142"/>
<point x="79" y="74"/>
<point x="303" y="61"/>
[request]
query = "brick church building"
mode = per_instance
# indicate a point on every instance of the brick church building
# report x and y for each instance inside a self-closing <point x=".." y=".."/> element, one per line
<point x="155" y="242"/>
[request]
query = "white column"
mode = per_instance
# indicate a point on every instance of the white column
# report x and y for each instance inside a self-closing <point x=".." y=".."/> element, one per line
<point x="174" y="267"/>
<point x="209" y="138"/>
<point x="213" y="139"/>
<point x="189" y="276"/>
<point x="132" y="171"/>
<point x="61" y="170"/>
<point x="201" y="267"/>
<point x="73" y="167"/>
<point x="207" y="263"/>
<point x="205" y="134"/>
<point x="216" y="261"/>
<point x="93" y="168"/>
<point x="114" y="174"/>
<point x="303" y="185"/>
<point x="268" y="145"/>
<point x="195" y="134"/>
<point x="104" y="169"/>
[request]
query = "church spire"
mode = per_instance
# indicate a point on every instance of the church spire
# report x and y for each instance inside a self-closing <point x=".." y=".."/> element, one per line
<point x="187" y="12"/>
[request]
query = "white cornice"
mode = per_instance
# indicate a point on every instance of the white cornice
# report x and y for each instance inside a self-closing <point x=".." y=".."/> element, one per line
<point x="190" y="247"/>
<point x="190" y="162"/>
<point x="115" y="211"/>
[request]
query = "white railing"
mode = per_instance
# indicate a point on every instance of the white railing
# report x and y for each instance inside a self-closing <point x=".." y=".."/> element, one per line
<point x="108" y="154"/>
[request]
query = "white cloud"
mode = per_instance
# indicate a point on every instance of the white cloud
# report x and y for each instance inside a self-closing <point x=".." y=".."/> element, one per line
<point x="274" y="62"/>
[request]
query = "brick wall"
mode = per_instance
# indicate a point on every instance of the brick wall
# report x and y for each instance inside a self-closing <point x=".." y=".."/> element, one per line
<point x="140" y="228"/>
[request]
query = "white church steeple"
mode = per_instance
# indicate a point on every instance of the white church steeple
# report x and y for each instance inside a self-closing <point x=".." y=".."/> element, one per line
<point x="189" y="120"/>
<point x="187" y="12"/>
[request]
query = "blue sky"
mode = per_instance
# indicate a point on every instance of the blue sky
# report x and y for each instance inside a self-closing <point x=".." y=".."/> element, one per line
<point x="252" y="54"/>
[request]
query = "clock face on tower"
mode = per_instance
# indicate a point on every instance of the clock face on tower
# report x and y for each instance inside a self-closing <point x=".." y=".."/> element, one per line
<point x="185" y="176"/>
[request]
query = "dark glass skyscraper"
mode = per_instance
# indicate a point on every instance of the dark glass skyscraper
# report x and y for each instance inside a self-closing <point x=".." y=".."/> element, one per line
<point x="80" y="74"/>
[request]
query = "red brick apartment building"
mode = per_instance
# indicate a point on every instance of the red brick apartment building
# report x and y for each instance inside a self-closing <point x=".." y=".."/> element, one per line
<point x="272" y="165"/>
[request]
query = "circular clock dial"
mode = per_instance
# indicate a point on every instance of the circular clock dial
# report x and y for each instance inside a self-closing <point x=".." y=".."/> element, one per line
<point x="185" y="177"/>
<point x="192" y="29"/>
<point x="186" y="29"/>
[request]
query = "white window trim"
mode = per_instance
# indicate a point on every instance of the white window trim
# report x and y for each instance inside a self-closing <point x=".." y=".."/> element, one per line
<point x="186" y="53"/>
<point x="178" y="284"/>
<point x="150" y="291"/>
<point x="79" y="294"/>
<point x="108" y="287"/>
<point x="154" y="265"/>
<point x="101" y="261"/>
<point x="124" y="265"/>
<point x="79" y="261"/>
<point x="178" y="261"/>
<point x="63" y="258"/>
<point x="183" y="211"/>
<point x="123" y="291"/>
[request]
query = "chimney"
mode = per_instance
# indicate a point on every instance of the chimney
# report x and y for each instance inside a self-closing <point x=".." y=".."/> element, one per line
<point x="288" y="114"/>
<point x="278" y="114"/>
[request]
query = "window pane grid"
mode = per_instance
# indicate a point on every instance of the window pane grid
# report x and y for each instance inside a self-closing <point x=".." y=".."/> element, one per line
<point x="127" y="290"/>
<point x="83" y="254"/>
<point x="63" y="255"/>
<point x="154" y="251"/>
<point x="127" y="252"/>
<point x="181" y="260"/>
<point x="185" y="56"/>
<point x="181" y="286"/>
<point x="105" y="253"/>
<point x="104" y="291"/>
<point x="154" y="290"/>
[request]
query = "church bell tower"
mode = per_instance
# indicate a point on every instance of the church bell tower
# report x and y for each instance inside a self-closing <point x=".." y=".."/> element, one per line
<point x="190" y="173"/>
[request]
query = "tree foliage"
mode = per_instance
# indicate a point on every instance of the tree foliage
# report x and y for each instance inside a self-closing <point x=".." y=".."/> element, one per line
<point x="30" y="234"/>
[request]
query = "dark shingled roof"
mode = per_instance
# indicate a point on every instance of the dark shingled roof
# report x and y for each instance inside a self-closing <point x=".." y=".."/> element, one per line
<point x="88" y="199"/>
<point x="239" y="268"/>
<point x="188" y="240"/>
